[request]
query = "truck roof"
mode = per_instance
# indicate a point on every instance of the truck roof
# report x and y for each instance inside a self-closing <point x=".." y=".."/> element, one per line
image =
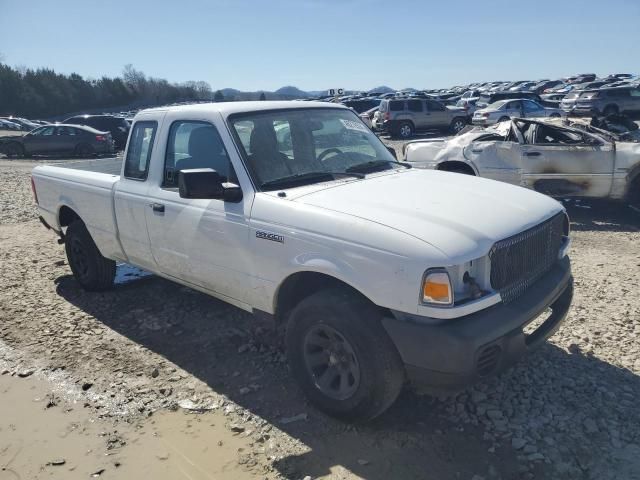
<point x="228" y="108"/>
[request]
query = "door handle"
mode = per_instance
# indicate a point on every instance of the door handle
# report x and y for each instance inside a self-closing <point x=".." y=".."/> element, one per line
<point x="532" y="154"/>
<point x="477" y="150"/>
<point x="157" y="207"/>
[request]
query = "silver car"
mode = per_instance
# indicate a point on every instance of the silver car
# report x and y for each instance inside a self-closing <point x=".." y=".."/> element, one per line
<point x="506" y="109"/>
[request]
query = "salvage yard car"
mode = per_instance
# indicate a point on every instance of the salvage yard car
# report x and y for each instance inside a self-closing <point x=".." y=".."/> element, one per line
<point x="378" y="272"/>
<point x="56" y="140"/>
<point x="545" y="156"/>
<point x="117" y="126"/>
<point x="404" y="117"/>
<point x="608" y="101"/>
<point x="506" y="109"/>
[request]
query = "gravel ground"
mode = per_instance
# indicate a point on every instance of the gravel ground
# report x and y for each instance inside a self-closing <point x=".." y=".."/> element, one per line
<point x="569" y="411"/>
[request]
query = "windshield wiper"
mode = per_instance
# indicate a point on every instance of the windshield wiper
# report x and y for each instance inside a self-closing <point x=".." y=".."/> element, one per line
<point x="307" y="178"/>
<point x="374" y="165"/>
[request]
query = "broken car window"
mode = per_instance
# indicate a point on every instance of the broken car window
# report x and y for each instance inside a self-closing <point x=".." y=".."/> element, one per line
<point x="550" y="135"/>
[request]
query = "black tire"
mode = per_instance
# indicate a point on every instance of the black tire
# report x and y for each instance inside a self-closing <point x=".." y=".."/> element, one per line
<point x="92" y="271"/>
<point x="555" y="115"/>
<point x="504" y="119"/>
<point x="462" y="170"/>
<point x="84" y="150"/>
<point x="405" y="130"/>
<point x="357" y="349"/>
<point x="610" y="110"/>
<point x="14" y="150"/>
<point x="633" y="194"/>
<point x="457" y="124"/>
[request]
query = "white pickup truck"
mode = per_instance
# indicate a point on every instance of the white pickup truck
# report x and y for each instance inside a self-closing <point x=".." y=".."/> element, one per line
<point x="297" y="212"/>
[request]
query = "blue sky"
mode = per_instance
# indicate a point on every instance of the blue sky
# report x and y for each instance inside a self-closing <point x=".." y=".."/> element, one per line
<point x="319" y="44"/>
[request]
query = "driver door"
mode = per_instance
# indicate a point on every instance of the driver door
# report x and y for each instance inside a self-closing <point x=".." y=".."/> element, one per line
<point x="201" y="241"/>
<point x="38" y="140"/>
<point x="562" y="162"/>
<point x="532" y="109"/>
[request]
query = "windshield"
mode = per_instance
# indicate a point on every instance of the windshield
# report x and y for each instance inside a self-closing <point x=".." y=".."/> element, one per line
<point x="288" y="148"/>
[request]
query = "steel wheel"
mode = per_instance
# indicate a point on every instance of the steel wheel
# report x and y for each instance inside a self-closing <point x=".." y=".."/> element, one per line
<point x="79" y="258"/>
<point x="331" y="361"/>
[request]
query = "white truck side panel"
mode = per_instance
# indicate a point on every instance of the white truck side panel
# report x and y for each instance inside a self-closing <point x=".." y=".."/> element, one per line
<point x="88" y="194"/>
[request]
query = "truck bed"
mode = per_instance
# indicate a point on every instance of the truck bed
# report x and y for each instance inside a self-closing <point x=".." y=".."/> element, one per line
<point x="86" y="188"/>
<point x="110" y="166"/>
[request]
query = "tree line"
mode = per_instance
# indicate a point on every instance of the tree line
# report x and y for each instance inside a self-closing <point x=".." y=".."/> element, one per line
<point x="43" y="93"/>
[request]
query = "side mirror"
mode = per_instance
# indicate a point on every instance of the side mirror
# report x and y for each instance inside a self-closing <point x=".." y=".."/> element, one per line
<point x="206" y="183"/>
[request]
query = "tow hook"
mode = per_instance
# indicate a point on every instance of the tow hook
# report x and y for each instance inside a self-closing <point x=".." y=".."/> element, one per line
<point x="474" y="288"/>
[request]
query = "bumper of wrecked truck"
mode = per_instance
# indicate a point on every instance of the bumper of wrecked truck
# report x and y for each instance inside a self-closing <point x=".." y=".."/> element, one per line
<point x="453" y="354"/>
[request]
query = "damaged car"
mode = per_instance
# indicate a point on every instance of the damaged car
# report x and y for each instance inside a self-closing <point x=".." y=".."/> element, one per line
<point x="503" y="110"/>
<point x="548" y="156"/>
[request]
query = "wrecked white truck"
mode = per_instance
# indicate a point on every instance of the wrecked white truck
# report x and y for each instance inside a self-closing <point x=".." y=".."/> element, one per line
<point x="546" y="156"/>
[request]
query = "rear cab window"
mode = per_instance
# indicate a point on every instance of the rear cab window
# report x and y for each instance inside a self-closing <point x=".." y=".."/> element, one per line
<point x="136" y="165"/>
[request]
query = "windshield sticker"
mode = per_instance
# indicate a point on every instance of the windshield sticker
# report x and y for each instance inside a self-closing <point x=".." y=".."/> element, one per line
<point x="351" y="125"/>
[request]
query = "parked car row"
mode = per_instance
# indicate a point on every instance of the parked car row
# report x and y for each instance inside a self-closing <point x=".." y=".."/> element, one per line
<point x="78" y="140"/>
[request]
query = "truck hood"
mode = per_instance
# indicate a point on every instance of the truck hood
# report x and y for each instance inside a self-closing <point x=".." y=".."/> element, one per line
<point x="460" y="215"/>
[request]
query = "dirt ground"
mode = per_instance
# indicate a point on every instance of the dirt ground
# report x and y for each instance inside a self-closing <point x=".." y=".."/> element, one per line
<point x="157" y="379"/>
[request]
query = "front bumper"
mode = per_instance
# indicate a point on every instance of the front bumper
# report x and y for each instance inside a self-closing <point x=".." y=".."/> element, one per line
<point x="453" y="354"/>
<point x="481" y="121"/>
<point x="589" y="111"/>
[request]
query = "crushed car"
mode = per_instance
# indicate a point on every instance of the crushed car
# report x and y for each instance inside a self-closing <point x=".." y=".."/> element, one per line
<point x="552" y="157"/>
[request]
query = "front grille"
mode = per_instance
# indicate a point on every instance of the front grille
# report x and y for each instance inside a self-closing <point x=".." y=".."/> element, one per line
<point x="518" y="261"/>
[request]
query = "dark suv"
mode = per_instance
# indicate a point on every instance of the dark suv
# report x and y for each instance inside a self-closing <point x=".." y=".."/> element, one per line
<point x="404" y="117"/>
<point x="608" y="101"/>
<point x="118" y="126"/>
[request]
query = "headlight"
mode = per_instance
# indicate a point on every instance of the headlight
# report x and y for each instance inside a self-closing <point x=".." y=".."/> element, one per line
<point x="436" y="288"/>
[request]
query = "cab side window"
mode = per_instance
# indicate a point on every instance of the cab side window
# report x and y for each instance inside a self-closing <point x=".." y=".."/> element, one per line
<point x="136" y="164"/>
<point x="194" y="144"/>
<point x="434" y="106"/>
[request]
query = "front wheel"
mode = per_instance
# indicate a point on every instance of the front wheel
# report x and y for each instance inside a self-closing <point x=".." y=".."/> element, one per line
<point x="503" y="119"/>
<point x="92" y="271"/>
<point x="342" y="357"/>
<point x="14" y="150"/>
<point x="610" y="110"/>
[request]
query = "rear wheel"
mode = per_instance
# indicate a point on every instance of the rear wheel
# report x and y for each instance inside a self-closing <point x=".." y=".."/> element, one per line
<point x="92" y="271"/>
<point x="14" y="150"/>
<point x="457" y="124"/>
<point x="342" y="357"/>
<point x="405" y="130"/>
<point x="84" y="150"/>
